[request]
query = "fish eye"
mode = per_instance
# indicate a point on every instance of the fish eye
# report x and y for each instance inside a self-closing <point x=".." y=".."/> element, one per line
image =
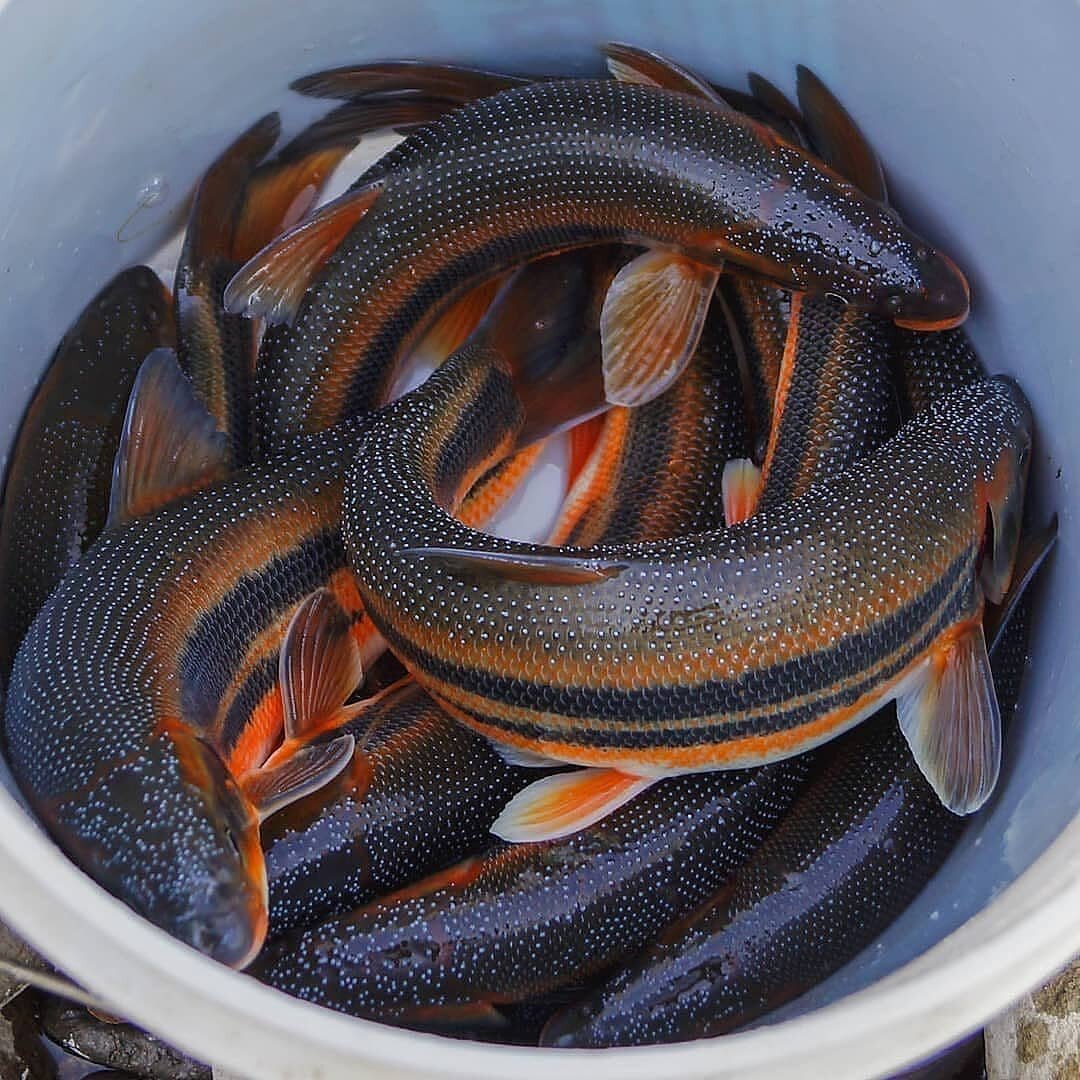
<point x="893" y="304"/>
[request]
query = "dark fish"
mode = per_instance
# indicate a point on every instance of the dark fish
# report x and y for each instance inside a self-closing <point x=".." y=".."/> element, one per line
<point x="525" y="918"/>
<point x="860" y="843"/>
<point x="420" y="793"/>
<point x="384" y="259"/>
<point x="217" y="350"/>
<point x="56" y="498"/>
<point x="148" y="697"/>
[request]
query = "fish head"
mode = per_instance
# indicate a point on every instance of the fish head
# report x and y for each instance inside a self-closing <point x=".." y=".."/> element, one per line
<point x="165" y="828"/>
<point x="220" y="885"/>
<point x="1003" y="482"/>
<point x="805" y="228"/>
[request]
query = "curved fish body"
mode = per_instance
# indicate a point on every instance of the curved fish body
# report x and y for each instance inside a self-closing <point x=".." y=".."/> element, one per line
<point x="656" y="469"/>
<point x="550" y="166"/>
<point x="56" y="496"/>
<point x="720" y="650"/>
<point x="858" y="846"/>
<point x="153" y="677"/>
<point x="423" y="791"/>
<point x="525" y="918"/>
<point x="120" y="716"/>
<point x="420" y="793"/>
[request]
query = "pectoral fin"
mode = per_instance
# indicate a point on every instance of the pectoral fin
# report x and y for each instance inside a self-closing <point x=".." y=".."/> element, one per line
<point x="740" y="485"/>
<point x="455" y="325"/>
<point x="170" y="444"/>
<point x="650" y="324"/>
<point x="530" y="569"/>
<point x="273" y="283"/>
<point x="318" y="666"/>
<point x="274" y="787"/>
<point x="563" y="804"/>
<point x="949" y="715"/>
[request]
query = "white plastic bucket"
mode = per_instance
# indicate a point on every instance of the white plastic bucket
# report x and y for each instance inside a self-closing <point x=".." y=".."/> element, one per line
<point x="108" y="112"/>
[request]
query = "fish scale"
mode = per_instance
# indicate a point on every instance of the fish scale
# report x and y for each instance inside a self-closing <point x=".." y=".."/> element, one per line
<point x="529" y="917"/>
<point x="572" y="162"/>
<point x="56" y="493"/>
<point x="836" y="593"/>
<point x="858" y="846"/>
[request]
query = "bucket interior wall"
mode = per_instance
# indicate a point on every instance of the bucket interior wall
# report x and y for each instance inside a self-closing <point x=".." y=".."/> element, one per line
<point x="109" y="111"/>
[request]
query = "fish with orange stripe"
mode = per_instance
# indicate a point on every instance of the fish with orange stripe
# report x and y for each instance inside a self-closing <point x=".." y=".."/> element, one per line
<point x="720" y="650"/>
<point x="364" y="276"/>
<point x="148" y="703"/>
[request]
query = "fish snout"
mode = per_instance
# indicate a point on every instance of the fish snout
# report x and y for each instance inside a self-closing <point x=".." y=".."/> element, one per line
<point x="228" y="924"/>
<point x="943" y="301"/>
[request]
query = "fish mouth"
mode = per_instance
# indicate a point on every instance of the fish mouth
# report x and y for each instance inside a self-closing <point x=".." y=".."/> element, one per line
<point x="943" y="302"/>
<point x="233" y="938"/>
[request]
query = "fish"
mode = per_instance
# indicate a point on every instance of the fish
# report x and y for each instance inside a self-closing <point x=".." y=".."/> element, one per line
<point x="420" y="792"/>
<point x="456" y="782"/>
<point x="365" y="275"/>
<point x="149" y="699"/>
<point x="56" y="496"/>
<point x="860" y="843"/>
<point x="575" y="653"/>
<point x="520" y="920"/>
<point x="217" y="350"/>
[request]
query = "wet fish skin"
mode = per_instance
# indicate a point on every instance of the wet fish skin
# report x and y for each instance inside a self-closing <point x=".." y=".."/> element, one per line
<point x="389" y="277"/>
<point x="422" y="792"/>
<point x="56" y="495"/>
<point x="569" y="699"/>
<point x="524" y="918"/>
<point x="859" y="845"/>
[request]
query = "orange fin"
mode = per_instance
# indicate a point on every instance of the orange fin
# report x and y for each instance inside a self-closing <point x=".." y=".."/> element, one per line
<point x="273" y="282"/>
<point x="274" y="787"/>
<point x="740" y="484"/>
<point x="566" y="803"/>
<point x="170" y="444"/>
<point x="629" y="64"/>
<point x="450" y="81"/>
<point x="949" y="716"/>
<point x="650" y="325"/>
<point x="530" y="569"/>
<point x="583" y="441"/>
<point x="319" y="664"/>
<point x="837" y="137"/>
<point x="455" y="325"/>
<point x="1034" y="548"/>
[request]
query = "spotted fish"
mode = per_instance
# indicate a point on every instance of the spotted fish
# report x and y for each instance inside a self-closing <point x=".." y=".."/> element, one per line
<point x="531" y="170"/>
<point x="860" y="843"/>
<point x="752" y="644"/>
<point x="152" y="693"/>
<point x="56" y="497"/>
<point x="522" y="919"/>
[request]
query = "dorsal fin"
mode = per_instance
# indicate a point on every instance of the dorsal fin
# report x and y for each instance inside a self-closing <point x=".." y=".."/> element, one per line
<point x="629" y="64"/>
<point x="837" y="137"/>
<point x="169" y="446"/>
<point x="273" y="282"/>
